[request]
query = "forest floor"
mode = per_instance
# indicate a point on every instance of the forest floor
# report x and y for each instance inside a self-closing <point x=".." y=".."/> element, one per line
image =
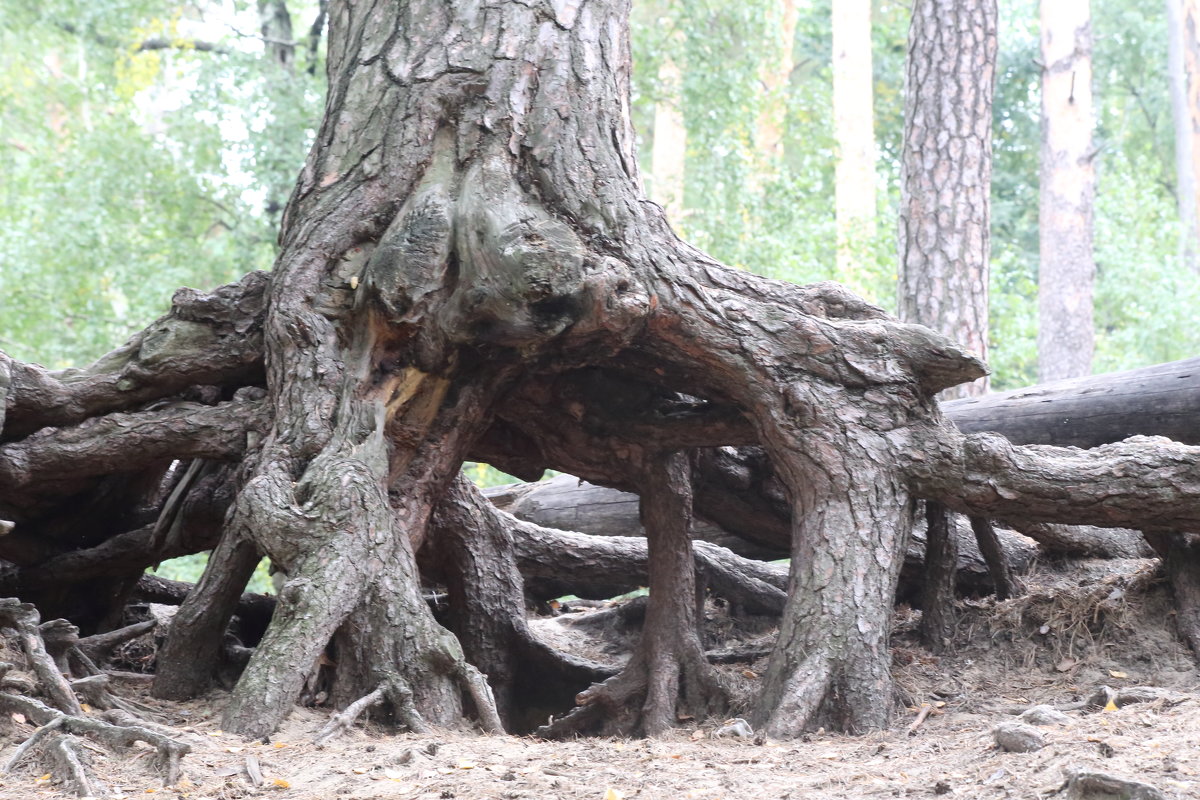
<point x="1078" y="629"/>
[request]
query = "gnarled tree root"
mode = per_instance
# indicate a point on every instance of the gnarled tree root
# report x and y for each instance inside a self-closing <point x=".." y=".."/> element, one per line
<point x="656" y="676"/>
<point x="59" y="728"/>
<point x="24" y="619"/>
<point x="1180" y="554"/>
<point x="55" y="727"/>
<point x="668" y="664"/>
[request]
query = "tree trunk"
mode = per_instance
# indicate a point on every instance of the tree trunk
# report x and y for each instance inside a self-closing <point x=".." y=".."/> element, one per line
<point x="1066" y="338"/>
<point x="1183" y="72"/>
<point x="946" y="173"/>
<point x="854" y="132"/>
<point x="775" y="75"/>
<point x="668" y="157"/>
<point x="668" y="664"/>
<point x="1160" y="400"/>
<point x="468" y="264"/>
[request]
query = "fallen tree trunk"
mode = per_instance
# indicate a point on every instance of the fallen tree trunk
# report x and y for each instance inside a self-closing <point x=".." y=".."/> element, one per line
<point x="1159" y="400"/>
<point x="564" y="561"/>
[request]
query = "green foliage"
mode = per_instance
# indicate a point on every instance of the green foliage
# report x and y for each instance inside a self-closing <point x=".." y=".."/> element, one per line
<point x="485" y="475"/>
<point x="128" y="172"/>
<point x="190" y="568"/>
<point x="777" y="219"/>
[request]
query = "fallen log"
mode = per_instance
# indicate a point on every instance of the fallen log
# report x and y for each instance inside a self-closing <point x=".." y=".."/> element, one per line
<point x="1160" y="400"/>
<point x="567" y="504"/>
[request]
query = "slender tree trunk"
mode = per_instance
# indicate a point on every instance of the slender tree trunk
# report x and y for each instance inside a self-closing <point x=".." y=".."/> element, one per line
<point x="946" y="173"/>
<point x="1066" y="338"/>
<point x="669" y="154"/>
<point x="1183" y="32"/>
<point x="775" y="74"/>
<point x="275" y="23"/>
<point x="853" y="130"/>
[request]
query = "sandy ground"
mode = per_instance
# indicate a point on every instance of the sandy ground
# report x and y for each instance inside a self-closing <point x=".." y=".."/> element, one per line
<point x="1096" y="625"/>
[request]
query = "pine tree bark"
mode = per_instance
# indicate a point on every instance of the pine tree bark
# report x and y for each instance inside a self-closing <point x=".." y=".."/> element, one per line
<point x="468" y="262"/>
<point x="946" y="173"/>
<point x="1066" y="338"/>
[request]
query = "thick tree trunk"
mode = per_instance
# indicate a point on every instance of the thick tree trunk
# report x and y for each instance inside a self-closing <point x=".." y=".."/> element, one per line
<point x="946" y="173"/>
<point x="1067" y="273"/>
<point x="468" y="263"/>
<point x="408" y="243"/>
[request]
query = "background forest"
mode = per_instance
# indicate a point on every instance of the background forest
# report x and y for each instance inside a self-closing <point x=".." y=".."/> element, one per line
<point x="146" y="145"/>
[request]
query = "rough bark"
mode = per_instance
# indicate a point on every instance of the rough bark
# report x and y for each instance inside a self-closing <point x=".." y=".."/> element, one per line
<point x="1004" y="581"/>
<point x="946" y="173"/>
<point x="478" y="560"/>
<point x="937" y="597"/>
<point x="1181" y="562"/>
<point x="188" y="659"/>
<point x="668" y="664"/>
<point x="468" y="263"/>
<point x="206" y="339"/>
<point x="1067" y="273"/>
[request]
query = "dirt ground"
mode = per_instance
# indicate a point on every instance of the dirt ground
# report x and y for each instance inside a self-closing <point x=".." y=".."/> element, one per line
<point x="1095" y="624"/>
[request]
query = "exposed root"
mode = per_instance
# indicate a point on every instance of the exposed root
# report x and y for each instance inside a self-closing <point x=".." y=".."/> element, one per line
<point x="57" y="736"/>
<point x="398" y="694"/>
<point x="1007" y="585"/>
<point x="115" y="737"/>
<point x="64" y="753"/>
<point x="344" y="719"/>
<point x="100" y="647"/>
<point x="668" y="665"/>
<point x="476" y="686"/>
<point x="612" y="708"/>
<point x="937" y="595"/>
<point x="96" y="692"/>
<point x="1180" y="555"/>
<point x="24" y="618"/>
